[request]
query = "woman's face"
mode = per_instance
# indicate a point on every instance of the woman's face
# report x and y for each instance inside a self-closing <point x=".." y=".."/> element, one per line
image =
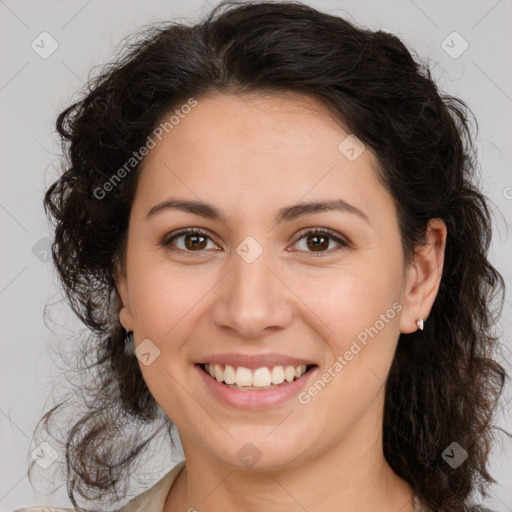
<point x="259" y="281"/>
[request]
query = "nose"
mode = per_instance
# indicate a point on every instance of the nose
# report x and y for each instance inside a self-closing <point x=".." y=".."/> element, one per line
<point x="253" y="298"/>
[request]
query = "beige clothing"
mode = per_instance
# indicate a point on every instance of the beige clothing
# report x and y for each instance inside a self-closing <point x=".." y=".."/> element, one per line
<point x="153" y="499"/>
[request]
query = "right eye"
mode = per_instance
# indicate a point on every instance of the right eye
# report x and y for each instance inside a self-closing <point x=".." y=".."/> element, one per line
<point x="194" y="240"/>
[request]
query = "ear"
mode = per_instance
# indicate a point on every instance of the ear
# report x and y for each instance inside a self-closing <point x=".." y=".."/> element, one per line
<point x="125" y="314"/>
<point x="423" y="277"/>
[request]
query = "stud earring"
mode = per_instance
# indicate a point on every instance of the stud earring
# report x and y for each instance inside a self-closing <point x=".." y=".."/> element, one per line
<point x="419" y="323"/>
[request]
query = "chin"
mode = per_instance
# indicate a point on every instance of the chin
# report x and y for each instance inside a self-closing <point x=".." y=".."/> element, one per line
<point x="260" y="454"/>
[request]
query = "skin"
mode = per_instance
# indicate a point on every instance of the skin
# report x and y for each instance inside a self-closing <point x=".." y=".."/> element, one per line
<point x="250" y="156"/>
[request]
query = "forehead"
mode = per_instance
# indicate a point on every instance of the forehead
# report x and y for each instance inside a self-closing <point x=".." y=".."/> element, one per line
<point x="262" y="122"/>
<point x="251" y="149"/>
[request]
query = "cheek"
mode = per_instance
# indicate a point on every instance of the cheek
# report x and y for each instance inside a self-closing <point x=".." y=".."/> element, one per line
<point x="165" y="304"/>
<point x="347" y="301"/>
<point x="359" y="314"/>
<point x="163" y="297"/>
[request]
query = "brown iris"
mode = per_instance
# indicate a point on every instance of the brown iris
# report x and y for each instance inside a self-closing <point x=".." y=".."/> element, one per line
<point x="324" y="244"/>
<point x="191" y="241"/>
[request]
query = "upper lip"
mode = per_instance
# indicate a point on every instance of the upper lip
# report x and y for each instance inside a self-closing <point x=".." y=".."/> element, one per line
<point x="255" y="361"/>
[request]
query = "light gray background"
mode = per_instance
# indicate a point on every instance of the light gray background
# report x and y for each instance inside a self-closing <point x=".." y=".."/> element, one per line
<point x="33" y="90"/>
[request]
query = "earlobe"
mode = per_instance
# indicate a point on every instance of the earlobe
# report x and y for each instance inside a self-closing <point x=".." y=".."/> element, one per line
<point x="423" y="278"/>
<point x="125" y="316"/>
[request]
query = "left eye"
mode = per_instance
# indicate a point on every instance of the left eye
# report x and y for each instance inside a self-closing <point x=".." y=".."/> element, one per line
<point x="195" y="240"/>
<point x="320" y="239"/>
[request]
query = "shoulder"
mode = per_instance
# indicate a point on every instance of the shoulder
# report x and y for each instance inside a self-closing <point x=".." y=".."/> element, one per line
<point x="152" y="499"/>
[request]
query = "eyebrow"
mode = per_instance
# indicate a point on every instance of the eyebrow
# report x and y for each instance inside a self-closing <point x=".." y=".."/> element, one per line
<point x="285" y="214"/>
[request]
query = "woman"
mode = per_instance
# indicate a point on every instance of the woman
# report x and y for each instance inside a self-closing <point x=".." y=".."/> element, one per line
<point x="269" y="224"/>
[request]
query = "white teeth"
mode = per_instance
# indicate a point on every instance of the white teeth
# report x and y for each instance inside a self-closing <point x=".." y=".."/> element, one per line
<point x="243" y="376"/>
<point x="259" y="378"/>
<point x="277" y="375"/>
<point x="229" y="374"/>
<point x="289" y="373"/>
<point x="299" y="370"/>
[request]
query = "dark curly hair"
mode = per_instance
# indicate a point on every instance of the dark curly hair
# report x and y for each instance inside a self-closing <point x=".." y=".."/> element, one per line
<point x="444" y="383"/>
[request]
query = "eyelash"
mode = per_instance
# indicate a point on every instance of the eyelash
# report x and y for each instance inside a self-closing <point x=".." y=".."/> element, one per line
<point x="315" y="231"/>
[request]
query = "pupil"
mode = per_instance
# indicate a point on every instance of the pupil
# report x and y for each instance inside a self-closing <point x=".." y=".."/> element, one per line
<point x="194" y="239"/>
<point x="316" y="245"/>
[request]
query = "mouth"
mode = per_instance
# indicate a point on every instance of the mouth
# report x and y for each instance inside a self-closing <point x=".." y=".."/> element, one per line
<point x="259" y="379"/>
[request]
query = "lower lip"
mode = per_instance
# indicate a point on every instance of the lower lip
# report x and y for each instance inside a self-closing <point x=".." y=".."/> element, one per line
<point x="255" y="399"/>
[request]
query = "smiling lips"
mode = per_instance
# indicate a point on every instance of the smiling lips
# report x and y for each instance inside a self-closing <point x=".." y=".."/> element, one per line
<point x="257" y="372"/>
<point x="257" y="382"/>
<point x="260" y="378"/>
